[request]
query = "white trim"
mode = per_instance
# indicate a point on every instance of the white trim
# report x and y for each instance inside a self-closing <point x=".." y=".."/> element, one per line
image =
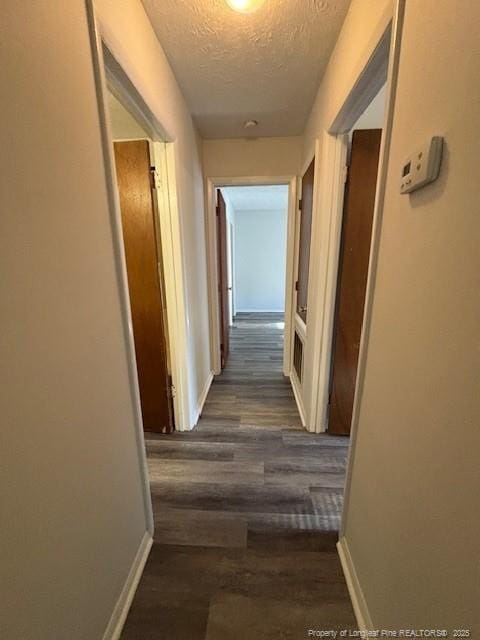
<point x="327" y="234"/>
<point x="298" y="397"/>
<point x="124" y="602"/>
<point x="212" y="272"/>
<point x="393" y="69"/>
<point x="368" y="84"/>
<point x="174" y="283"/>
<point x="290" y="277"/>
<point x="359" y="603"/>
<point x="125" y="91"/>
<point x="212" y="183"/>
<point x="301" y="328"/>
<point x="203" y="397"/>
<point x="120" y="265"/>
<point x="164" y="153"/>
<point x="296" y="323"/>
<point x="328" y="222"/>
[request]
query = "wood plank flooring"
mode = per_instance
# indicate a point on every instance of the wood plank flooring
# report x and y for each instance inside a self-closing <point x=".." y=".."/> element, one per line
<point x="247" y="508"/>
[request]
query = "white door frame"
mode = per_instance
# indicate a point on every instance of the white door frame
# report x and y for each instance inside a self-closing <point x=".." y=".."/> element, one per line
<point x="383" y="65"/>
<point x="326" y="232"/>
<point x="164" y="155"/>
<point x="392" y="79"/>
<point x="106" y="68"/>
<point x="212" y="184"/>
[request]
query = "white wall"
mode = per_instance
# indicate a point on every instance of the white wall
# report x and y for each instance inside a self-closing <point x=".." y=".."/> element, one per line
<point x="372" y="117"/>
<point x="132" y="41"/>
<point x="260" y="260"/>
<point x="252" y="157"/>
<point x="414" y="511"/>
<point x="123" y="125"/>
<point x="73" y="514"/>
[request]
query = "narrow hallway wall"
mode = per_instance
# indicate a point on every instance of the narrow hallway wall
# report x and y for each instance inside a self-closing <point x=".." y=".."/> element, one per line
<point x="73" y="512"/>
<point x="413" y="513"/>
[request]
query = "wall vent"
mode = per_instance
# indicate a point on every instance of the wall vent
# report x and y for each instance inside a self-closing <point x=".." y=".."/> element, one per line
<point x="298" y="356"/>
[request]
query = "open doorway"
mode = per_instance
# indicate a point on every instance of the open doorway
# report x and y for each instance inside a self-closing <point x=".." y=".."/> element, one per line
<point x="252" y="247"/>
<point x="252" y="230"/>
<point x="138" y="198"/>
<point x="364" y="141"/>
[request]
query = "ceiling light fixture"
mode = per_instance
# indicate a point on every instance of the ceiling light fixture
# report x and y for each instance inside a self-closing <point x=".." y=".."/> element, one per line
<point x="245" y="6"/>
<point x="249" y="124"/>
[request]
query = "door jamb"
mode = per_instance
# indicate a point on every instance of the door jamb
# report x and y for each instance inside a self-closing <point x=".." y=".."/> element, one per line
<point x="164" y="150"/>
<point x="120" y="264"/>
<point x="393" y="71"/>
<point x="213" y="183"/>
<point x="382" y="66"/>
<point x="106" y="67"/>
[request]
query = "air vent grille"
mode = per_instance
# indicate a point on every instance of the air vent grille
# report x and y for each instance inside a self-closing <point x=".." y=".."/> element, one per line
<point x="298" y="356"/>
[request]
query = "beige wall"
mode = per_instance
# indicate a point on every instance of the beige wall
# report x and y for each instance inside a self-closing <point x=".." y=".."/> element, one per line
<point x="252" y="157"/>
<point x="414" y="512"/>
<point x="412" y="520"/>
<point x="71" y="493"/>
<point x="133" y="42"/>
<point x="123" y="125"/>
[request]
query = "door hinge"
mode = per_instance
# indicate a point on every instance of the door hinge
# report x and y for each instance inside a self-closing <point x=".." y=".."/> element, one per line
<point x="345" y="174"/>
<point x="300" y="204"/>
<point x="222" y="348"/>
<point x="296" y="285"/>
<point x="173" y="391"/>
<point x="155" y="181"/>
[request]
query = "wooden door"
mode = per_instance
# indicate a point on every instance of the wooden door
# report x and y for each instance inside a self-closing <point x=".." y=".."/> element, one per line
<point x="223" y="289"/>
<point x="135" y="186"/>
<point x="306" y="208"/>
<point x="352" y="275"/>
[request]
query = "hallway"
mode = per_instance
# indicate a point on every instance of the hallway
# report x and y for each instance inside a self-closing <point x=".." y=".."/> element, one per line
<point x="247" y="509"/>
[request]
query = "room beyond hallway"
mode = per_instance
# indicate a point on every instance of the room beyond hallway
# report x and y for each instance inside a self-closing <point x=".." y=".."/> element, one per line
<point x="247" y="509"/>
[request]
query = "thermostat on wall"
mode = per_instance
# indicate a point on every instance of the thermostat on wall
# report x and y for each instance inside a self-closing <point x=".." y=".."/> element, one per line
<point x="423" y="166"/>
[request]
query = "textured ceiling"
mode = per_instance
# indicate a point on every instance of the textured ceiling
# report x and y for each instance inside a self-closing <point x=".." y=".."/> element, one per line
<point x="271" y="198"/>
<point x="264" y="65"/>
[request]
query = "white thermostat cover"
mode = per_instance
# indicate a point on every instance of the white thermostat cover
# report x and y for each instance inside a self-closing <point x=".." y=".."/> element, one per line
<point x="423" y="166"/>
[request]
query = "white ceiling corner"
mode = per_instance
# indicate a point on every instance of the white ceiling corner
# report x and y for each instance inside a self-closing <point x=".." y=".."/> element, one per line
<point x="265" y="65"/>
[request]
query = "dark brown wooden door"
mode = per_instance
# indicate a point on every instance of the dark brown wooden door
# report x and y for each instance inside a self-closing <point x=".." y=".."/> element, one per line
<point x="223" y="277"/>
<point x="304" y="241"/>
<point x="352" y="275"/>
<point x="132" y="160"/>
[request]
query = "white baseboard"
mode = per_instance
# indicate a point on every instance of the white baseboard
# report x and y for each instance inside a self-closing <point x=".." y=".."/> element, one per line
<point x="203" y="397"/>
<point x="298" y="399"/>
<point x="120" y="612"/>
<point x="357" y="597"/>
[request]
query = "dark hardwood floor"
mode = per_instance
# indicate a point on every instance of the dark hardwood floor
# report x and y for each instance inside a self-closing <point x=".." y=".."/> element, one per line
<point x="247" y="508"/>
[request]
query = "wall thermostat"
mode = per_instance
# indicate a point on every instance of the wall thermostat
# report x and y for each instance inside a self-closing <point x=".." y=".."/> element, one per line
<point x="423" y="166"/>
